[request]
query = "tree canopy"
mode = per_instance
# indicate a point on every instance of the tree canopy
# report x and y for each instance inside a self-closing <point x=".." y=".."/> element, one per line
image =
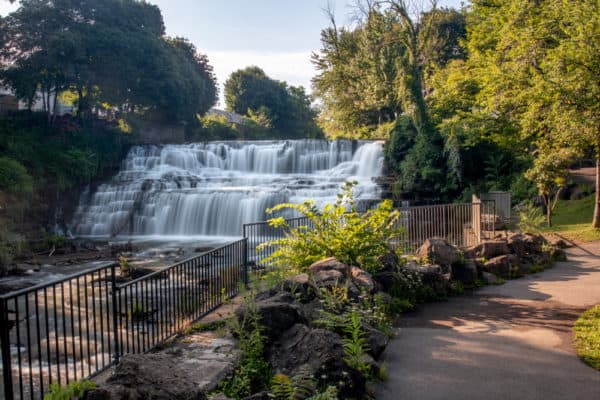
<point x="284" y="109"/>
<point x="113" y="55"/>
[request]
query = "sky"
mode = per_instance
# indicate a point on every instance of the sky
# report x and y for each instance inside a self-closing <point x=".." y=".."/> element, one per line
<point x="276" y="35"/>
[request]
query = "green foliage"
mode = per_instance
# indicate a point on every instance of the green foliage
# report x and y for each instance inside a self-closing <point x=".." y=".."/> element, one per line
<point x="285" y="110"/>
<point x="531" y="219"/>
<point x="125" y="266"/>
<point x="587" y="336"/>
<point x="338" y="230"/>
<point x="11" y="246"/>
<point x="72" y="391"/>
<point x="253" y="373"/>
<point x="300" y="386"/>
<point x="62" y="155"/>
<point x="14" y="178"/>
<point x="98" y="51"/>
<point x="355" y="344"/>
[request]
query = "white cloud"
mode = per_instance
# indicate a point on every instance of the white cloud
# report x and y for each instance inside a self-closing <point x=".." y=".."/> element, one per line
<point x="293" y="67"/>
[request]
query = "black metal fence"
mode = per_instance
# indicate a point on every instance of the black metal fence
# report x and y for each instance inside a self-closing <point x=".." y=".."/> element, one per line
<point x="461" y="224"/>
<point x="80" y="325"/>
<point x="261" y="232"/>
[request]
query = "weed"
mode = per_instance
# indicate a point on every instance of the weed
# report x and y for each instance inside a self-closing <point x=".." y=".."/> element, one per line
<point x="252" y="374"/>
<point x="72" y="391"/>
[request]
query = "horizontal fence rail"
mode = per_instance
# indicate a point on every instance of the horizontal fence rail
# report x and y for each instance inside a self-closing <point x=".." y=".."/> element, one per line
<point x="461" y="225"/>
<point x="261" y="232"/>
<point x="80" y="325"/>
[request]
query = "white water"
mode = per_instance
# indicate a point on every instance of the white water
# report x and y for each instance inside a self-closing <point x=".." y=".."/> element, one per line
<point x="211" y="189"/>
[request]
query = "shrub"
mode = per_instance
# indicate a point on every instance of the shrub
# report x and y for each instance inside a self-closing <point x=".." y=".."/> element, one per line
<point x="14" y="178"/>
<point x="531" y="219"/>
<point x="74" y="390"/>
<point x="337" y="231"/>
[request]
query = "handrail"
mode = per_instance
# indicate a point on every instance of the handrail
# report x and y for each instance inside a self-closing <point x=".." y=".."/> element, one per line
<point x="177" y="264"/>
<point x="54" y="282"/>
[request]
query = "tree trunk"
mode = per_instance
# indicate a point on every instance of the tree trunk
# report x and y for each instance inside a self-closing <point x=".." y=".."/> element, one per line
<point x="596" y="221"/>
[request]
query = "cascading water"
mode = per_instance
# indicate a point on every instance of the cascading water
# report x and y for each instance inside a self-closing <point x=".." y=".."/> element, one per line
<point x="211" y="189"/>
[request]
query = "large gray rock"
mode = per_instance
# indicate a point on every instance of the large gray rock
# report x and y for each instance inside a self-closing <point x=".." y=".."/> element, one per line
<point x="158" y="376"/>
<point x="329" y="264"/>
<point x="389" y="261"/>
<point x="277" y="314"/>
<point x="328" y="278"/>
<point x="524" y="244"/>
<point x="362" y="279"/>
<point x="506" y="266"/>
<point x="489" y="278"/>
<point x="493" y="248"/>
<point x="466" y="273"/>
<point x="318" y="352"/>
<point x="376" y="342"/>
<point x="438" y="251"/>
<point x="301" y="286"/>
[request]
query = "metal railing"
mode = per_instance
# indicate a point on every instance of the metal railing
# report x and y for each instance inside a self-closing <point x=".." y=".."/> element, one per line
<point x="460" y="224"/>
<point x="260" y="232"/>
<point x="80" y="325"/>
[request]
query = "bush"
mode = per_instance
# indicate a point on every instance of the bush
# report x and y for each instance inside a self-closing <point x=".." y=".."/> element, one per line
<point x="72" y="391"/>
<point x="14" y="178"/>
<point x="337" y="231"/>
<point x="531" y="219"/>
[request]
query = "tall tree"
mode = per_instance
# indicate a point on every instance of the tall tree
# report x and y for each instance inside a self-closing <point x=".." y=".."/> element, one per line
<point x="536" y="66"/>
<point x="286" y="109"/>
<point x="112" y="52"/>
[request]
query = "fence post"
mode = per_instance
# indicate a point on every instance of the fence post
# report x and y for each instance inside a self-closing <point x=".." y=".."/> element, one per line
<point x="5" y="345"/>
<point x="116" y="311"/>
<point x="245" y="261"/>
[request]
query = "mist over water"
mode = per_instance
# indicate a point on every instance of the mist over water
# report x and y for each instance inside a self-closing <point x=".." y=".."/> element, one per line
<point x="211" y="189"/>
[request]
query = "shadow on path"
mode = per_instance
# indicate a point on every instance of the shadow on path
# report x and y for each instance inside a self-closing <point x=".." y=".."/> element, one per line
<point x="512" y="341"/>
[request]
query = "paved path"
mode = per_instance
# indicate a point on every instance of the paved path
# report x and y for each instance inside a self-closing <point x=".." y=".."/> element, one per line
<point x="513" y="341"/>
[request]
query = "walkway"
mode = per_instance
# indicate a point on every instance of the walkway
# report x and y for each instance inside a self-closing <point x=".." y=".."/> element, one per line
<point x="512" y="341"/>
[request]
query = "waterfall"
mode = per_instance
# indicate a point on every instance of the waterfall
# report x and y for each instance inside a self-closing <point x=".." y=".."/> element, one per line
<point x="211" y="189"/>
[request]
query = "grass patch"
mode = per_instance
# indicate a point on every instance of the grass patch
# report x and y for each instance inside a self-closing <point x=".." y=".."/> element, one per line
<point x="573" y="220"/>
<point x="587" y="335"/>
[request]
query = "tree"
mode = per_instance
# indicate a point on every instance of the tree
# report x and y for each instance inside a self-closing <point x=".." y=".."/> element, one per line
<point x="286" y="109"/>
<point x="536" y="66"/>
<point x="111" y="54"/>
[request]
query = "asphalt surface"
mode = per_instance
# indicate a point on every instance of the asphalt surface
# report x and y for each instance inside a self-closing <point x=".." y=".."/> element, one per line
<point x="513" y="341"/>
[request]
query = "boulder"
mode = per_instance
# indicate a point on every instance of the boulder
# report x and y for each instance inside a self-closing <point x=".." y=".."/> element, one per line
<point x="389" y="261"/>
<point x="376" y="342"/>
<point x="301" y="286"/>
<point x="277" y="314"/>
<point x="157" y="376"/>
<point x="329" y="264"/>
<point x="362" y="279"/>
<point x="491" y="222"/>
<point x="473" y="251"/>
<point x="318" y="352"/>
<point x="466" y="273"/>
<point x="386" y="280"/>
<point x="559" y="243"/>
<point x="329" y="278"/>
<point x="542" y="259"/>
<point x="506" y="266"/>
<point x="438" y="251"/>
<point x="493" y="248"/>
<point x="558" y="254"/>
<point x="432" y="275"/>
<point x="489" y="278"/>
<point x="523" y="244"/>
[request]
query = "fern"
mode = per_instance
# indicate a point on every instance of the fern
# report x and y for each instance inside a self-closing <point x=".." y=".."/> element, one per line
<point x="355" y="344"/>
<point x="299" y="387"/>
